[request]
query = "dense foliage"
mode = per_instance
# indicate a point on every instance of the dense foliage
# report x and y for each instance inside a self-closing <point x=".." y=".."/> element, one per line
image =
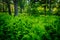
<point x="29" y="19"/>
<point x="25" y="27"/>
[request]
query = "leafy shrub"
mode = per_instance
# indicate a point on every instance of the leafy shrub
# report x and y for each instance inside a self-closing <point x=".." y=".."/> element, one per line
<point x="24" y="27"/>
<point x="53" y="30"/>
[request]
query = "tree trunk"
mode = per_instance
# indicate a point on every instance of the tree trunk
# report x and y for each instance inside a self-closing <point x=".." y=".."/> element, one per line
<point x="45" y="2"/>
<point x="50" y="9"/>
<point x="45" y="9"/>
<point x="8" y="6"/>
<point x="3" y="7"/>
<point x="21" y="6"/>
<point x="9" y="10"/>
<point x="15" y="7"/>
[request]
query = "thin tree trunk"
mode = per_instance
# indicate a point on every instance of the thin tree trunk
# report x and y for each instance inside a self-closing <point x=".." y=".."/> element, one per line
<point x="8" y="5"/>
<point x="21" y="6"/>
<point x="15" y="7"/>
<point x="45" y="9"/>
<point x="9" y="10"/>
<point x="50" y="9"/>
<point x="3" y="7"/>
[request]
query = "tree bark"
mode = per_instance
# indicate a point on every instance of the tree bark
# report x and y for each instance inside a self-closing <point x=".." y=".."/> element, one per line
<point x="9" y="10"/>
<point x="15" y="7"/>
<point x="8" y="5"/>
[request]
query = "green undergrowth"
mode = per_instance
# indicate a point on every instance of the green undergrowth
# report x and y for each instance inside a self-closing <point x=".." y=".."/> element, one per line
<point x="25" y="27"/>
